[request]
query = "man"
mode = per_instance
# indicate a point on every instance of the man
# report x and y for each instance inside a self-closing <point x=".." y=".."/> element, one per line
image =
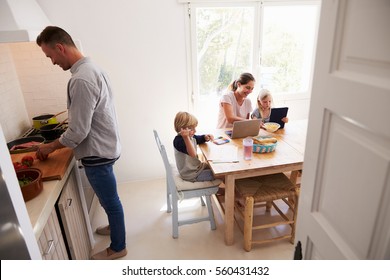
<point x="92" y="131"/>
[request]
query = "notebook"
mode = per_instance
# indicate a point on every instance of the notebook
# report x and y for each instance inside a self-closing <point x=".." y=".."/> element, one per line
<point x="244" y="128"/>
<point x="277" y="114"/>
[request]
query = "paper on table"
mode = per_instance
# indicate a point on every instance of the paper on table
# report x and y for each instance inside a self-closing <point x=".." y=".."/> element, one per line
<point x="223" y="153"/>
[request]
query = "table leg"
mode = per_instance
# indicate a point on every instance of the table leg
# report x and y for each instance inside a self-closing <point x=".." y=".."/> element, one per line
<point x="229" y="210"/>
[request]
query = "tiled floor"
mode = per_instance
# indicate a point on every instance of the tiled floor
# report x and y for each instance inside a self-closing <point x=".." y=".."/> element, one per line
<point x="149" y="230"/>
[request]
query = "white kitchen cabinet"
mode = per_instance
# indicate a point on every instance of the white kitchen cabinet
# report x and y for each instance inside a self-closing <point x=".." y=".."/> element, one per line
<point x="73" y="220"/>
<point x="51" y="242"/>
<point x="88" y="191"/>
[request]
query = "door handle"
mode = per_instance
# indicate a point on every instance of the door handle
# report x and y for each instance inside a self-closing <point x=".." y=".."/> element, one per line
<point x="50" y="247"/>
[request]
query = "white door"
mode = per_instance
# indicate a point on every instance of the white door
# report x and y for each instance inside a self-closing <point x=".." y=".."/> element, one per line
<point x="344" y="207"/>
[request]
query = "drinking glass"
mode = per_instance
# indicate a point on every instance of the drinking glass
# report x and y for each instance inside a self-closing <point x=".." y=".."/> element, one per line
<point x="248" y="147"/>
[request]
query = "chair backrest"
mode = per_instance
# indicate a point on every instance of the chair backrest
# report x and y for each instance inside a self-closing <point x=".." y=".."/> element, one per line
<point x="167" y="165"/>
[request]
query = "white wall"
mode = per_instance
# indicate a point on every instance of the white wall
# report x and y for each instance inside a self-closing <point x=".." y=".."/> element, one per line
<point x="13" y="116"/>
<point x="43" y="84"/>
<point x="141" y="44"/>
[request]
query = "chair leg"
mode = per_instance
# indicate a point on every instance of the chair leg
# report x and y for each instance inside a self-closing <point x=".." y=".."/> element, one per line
<point x="175" y="219"/>
<point x="211" y="213"/>
<point x="293" y="178"/>
<point x="295" y="205"/>
<point x="169" y="203"/>
<point x="268" y="206"/>
<point x="202" y="201"/>
<point x="248" y="223"/>
<point x="169" y="200"/>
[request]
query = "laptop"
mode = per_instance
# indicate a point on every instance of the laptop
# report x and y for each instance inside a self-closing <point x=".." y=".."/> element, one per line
<point x="277" y="114"/>
<point x="243" y="129"/>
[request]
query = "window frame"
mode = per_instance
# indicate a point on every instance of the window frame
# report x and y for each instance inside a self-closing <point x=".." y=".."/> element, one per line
<point x="193" y="94"/>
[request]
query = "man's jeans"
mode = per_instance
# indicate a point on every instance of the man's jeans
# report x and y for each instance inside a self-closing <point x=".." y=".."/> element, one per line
<point x="102" y="180"/>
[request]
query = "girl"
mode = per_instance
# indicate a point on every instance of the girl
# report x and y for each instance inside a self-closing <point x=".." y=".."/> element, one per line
<point x="264" y="105"/>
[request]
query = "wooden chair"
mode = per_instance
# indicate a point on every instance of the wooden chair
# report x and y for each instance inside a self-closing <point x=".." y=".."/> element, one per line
<point x="257" y="192"/>
<point x="179" y="189"/>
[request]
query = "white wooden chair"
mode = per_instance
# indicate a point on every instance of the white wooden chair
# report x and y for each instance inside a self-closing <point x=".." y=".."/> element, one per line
<point x="178" y="189"/>
<point x="264" y="191"/>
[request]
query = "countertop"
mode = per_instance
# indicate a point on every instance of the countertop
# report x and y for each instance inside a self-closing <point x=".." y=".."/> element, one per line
<point x="40" y="207"/>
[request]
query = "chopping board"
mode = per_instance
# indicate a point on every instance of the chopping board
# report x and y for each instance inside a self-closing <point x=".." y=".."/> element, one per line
<point x="54" y="167"/>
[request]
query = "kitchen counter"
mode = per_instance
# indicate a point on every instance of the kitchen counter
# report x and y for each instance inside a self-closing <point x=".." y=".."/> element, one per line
<point x="40" y="207"/>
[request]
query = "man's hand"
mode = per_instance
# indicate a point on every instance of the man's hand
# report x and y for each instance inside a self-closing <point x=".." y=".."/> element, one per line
<point x="45" y="149"/>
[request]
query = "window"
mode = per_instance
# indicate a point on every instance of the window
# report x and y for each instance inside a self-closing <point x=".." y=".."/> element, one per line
<point x="273" y="40"/>
<point x="287" y="47"/>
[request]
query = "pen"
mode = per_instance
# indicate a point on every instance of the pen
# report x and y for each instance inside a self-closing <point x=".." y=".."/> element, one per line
<point x="231" y="161"/>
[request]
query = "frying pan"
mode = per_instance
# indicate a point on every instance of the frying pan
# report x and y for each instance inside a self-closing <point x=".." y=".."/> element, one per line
<point x="52" y="131"/>
<point x="22" y="141"/>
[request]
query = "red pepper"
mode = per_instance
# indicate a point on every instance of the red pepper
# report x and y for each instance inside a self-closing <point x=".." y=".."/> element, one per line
<point x="28" y="161"/>
<point x="18" y="166"/>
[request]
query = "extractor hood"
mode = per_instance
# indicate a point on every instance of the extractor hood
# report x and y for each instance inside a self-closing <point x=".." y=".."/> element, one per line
<point x="21" y="20"/>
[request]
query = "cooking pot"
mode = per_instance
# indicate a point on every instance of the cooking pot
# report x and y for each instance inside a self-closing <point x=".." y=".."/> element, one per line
<point x="52" y="131"/>
<point x="42" y="120"/>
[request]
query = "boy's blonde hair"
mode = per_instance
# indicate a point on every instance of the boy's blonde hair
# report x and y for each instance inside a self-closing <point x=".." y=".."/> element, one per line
<point x="184" y="119"/>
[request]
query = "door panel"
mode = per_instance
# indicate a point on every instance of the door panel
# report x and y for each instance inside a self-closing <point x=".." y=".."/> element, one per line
<point x="346" y="179"/>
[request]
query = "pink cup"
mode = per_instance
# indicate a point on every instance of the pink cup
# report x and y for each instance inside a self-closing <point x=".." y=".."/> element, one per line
<point x="248" y="147"/>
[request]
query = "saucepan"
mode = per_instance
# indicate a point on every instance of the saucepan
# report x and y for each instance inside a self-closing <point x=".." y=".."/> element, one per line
<point x="42" y="120"/>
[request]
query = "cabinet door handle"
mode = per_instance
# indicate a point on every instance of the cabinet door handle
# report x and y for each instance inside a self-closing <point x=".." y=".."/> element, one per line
<point x="69" y="202"/>
<point x="50" y="245"/>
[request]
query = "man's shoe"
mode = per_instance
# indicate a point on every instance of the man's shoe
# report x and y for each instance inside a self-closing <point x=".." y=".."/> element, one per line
<point x="103" y="230"/>
<point x="109" y="254"/>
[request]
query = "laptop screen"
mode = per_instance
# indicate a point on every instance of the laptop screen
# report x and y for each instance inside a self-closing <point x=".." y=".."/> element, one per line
<point x="245" y="128"/>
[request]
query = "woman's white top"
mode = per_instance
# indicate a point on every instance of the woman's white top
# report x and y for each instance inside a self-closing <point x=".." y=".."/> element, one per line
<point x="240" y="111"/>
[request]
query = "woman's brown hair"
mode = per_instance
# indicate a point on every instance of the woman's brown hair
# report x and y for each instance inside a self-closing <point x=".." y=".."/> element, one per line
<point x="243" y="79"/>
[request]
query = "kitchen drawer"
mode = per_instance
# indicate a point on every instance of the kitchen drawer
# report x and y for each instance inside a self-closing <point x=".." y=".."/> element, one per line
<point x="73" y="220"/>
<point x="51" y="242"/>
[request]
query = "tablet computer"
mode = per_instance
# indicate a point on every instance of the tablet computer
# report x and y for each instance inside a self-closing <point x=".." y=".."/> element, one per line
<point x="277" y="114"/>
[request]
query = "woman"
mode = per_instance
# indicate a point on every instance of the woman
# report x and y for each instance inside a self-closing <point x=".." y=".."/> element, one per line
<point x="234" y="105"/>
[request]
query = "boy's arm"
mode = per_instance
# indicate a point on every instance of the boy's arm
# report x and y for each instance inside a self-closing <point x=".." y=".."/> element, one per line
<point x="190" y="147"/>
<point x="191" y="150"/>
<point x="200" y="139"/>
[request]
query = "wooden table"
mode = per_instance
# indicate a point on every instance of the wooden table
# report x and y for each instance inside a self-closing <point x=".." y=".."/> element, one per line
<point x="288" y="156"/>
